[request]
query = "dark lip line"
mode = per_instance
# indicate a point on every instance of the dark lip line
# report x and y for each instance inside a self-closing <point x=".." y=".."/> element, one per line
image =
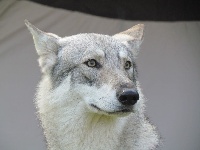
<point x="119" y="111"/>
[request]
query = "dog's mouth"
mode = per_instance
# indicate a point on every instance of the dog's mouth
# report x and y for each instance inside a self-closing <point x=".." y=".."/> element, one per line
<point x="115" y="112"/>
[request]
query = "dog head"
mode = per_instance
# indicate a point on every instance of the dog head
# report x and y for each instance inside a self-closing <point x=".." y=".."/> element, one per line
<point x="98" y="69"/>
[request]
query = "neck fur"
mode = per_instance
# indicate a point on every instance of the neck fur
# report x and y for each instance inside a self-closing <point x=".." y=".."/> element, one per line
<point x="78" y="129"/>
<point x="70" y="125"/>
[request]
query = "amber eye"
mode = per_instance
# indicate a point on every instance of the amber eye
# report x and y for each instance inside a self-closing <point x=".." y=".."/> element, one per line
<point x="127" y="65"/>
<point x="91" y="63"/>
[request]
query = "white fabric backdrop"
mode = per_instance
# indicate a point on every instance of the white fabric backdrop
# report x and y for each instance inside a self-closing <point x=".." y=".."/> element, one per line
<point x="169" y="71"/>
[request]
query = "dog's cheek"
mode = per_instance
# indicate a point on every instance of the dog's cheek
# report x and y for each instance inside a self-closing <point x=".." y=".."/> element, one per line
<point x="90" y="76"/>
<point x="131" y="75"/>
<point x="88" y="81"/>
<point x="79" y="78"/>
<point x="47" y="62"/>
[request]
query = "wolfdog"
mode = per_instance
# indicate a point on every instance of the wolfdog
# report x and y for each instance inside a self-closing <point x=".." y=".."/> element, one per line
<point x="89" y="97"/>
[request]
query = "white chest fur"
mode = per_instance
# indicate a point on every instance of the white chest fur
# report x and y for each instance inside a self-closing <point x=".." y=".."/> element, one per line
<point x="76" y="130"/>
<point x="68" y="125"/>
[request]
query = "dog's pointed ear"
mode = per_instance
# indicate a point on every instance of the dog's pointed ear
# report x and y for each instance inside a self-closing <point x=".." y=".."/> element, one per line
<point x="46" y="45"/>
<point x="132" y="37"/>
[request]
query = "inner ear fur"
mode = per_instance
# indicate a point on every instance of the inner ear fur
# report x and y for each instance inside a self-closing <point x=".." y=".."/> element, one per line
<point x="46" y="45"/>
<point x="132" y="38"/>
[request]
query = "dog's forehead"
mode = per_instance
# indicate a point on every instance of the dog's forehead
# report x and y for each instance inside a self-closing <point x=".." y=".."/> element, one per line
<point x="84" y="44"/>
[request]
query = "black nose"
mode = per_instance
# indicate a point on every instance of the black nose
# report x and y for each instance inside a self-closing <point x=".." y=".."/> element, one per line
<point x="128" y="97"/>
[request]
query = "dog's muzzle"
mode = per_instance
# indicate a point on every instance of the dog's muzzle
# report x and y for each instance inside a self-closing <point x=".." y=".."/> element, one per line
<point x="128" y="97"/>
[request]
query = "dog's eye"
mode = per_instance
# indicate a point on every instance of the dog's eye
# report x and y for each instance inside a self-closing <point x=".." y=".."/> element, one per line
<point x="91" y="63"/>
<point x="127" y="65"/>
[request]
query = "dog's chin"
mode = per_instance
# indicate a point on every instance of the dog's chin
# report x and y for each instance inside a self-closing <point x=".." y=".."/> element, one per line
<point x="118" y="112"/>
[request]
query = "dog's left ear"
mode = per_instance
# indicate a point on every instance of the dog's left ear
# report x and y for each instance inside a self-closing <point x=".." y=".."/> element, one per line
<point x="132" y="37"/>
<point x="46" y="45"/>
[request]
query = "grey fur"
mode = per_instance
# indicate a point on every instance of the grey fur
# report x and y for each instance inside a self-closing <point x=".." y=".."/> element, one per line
<point x="63" y="97"/>
<point x="76" y="54"/>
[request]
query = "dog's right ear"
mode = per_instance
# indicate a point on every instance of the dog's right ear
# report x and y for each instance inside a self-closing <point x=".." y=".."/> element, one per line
<point x="46" y="45"/>
<point x="132" y="38"/>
